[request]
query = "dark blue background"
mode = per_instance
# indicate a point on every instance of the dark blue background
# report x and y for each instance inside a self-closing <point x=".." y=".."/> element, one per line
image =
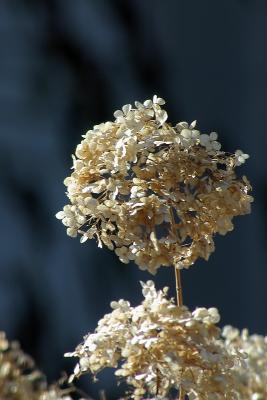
<point x="66" y="65"/>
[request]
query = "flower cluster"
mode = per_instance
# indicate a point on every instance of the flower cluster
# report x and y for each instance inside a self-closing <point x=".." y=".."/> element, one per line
<point x="19" y="378"/>
<point x="250" y="377"/>
<point x="153" y="192"/>
<point x="158" y="346"/>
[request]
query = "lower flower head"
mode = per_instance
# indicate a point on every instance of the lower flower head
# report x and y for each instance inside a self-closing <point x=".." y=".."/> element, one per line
<point x="158" y="346"/>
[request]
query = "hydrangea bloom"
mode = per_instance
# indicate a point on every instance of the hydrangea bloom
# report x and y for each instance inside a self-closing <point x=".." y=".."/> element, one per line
<point x="240" y="157"/>
<point x="250" y="376"/>
<point x="159" y="346"/>
<point x="19" y="378"/>
<point x="153" y="192"/>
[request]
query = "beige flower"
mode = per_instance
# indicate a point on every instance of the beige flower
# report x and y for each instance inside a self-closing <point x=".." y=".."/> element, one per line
<point x="154" y="193"/>
<point x="240" y="157"/>
<point x="158" y="346"/>
<point x="20" y="379"/>
<point x="251" y="374"/>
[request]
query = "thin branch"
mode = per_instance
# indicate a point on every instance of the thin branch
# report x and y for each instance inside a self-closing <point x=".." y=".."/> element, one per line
<point x="178" y="284"/>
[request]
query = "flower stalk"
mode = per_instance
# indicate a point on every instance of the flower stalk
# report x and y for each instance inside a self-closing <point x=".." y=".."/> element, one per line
<point x="179" y="300"/>
<point x="178" y="284"/>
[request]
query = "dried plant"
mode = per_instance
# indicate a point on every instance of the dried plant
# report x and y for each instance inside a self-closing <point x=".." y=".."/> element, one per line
<point x="153" y="192"/>
<point x="158" y="346"/>
<point x="157" y="194"/>
<point x="251" y="376"/>
<point x="19" y="377"/>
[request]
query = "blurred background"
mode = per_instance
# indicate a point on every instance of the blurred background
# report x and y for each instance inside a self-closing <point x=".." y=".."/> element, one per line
<point x="66" y="65"/>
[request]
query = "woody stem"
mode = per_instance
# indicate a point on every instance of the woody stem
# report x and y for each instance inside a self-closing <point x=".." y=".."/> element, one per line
<point x="181" y="394"/>
<point x="178" y="284"/>
<point x="179" y="298"/>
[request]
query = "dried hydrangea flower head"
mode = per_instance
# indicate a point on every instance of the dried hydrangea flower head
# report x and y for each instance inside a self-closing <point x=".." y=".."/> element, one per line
<point x="251" y="376"/>
<point x="153" y="192"/>
<point x="19" y="378"/>
<point x="159" y="346"/>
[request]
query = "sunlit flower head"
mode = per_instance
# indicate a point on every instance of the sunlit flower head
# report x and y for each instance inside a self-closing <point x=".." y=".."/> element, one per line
<point x="251" y="375"/>
<point x="19" y="377"/>
<point x="155" y="193"/>
<point x="158" y="346"/>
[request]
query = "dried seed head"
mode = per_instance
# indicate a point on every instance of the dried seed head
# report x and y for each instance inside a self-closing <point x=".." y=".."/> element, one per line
<point x="154" y="193"/>
<point x="19" y="377"/>
<point x="250" y="375"/>
<point x="158" y="346"/>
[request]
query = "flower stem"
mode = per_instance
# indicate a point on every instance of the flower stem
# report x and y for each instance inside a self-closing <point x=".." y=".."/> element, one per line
<point x="181" y="394"/>
<point x="179" y="292"/>
<point x="178" y="283"/>
<point x="179" y="299"/>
